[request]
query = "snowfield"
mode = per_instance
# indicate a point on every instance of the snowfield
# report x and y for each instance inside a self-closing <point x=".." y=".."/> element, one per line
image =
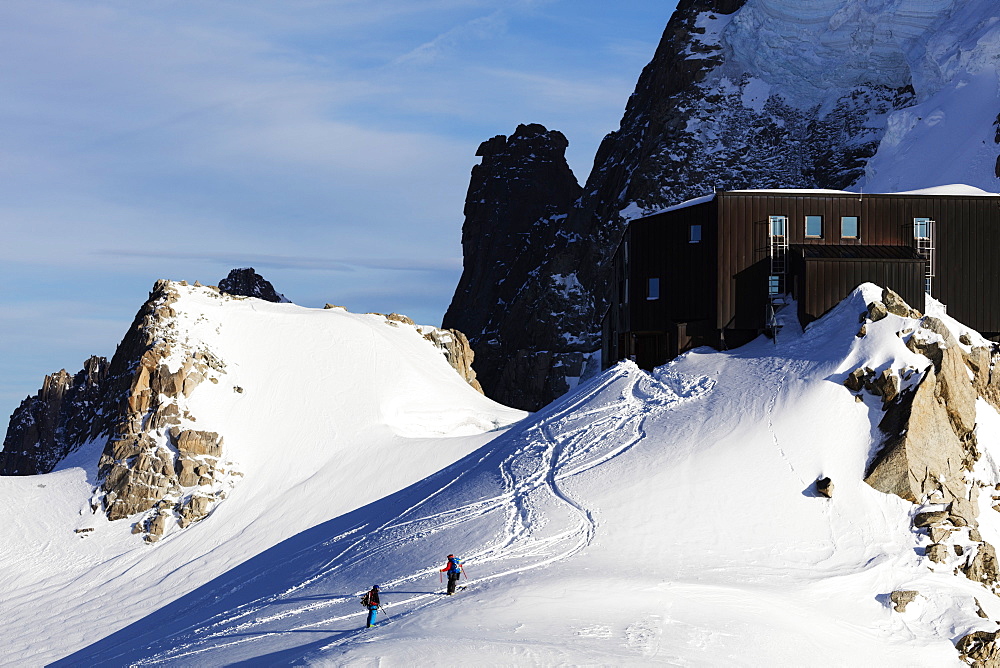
<point x="665" y="518"/>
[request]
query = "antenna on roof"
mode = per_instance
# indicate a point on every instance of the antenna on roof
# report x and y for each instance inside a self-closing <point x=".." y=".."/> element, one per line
<point x="861" y="195"/>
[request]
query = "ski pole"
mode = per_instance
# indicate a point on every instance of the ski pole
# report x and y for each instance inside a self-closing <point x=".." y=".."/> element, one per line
<point x="463" y="571"/>
<point x="385" y="613"/>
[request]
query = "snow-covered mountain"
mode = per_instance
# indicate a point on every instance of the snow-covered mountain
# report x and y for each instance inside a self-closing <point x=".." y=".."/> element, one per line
<point x="872" y="95"/>
<point x="714" y="512"/>
<point x="224" y="426"/>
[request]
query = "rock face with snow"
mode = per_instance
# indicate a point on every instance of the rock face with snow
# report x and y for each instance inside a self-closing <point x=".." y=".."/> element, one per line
<point x="930" y="451"/>
<point x="751" y="94"/>
<point x="164" y="463"/>
<point x="456" y="349"/>
<point x="47" y="427"/>
<point x="518" y="198"/>
<point x="150" y="462"/>
<point x="248" y="283"/>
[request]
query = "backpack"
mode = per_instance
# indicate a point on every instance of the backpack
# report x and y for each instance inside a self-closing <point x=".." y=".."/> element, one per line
<point x="366" y="599"/>
<point x="454" y="565"/>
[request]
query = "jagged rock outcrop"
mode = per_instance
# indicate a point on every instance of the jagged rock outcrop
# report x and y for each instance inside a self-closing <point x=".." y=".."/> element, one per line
<point x="61" y="417"/>
<point x="152" y="461"/>
<point x="518" y="197"/>
<point x="456" y="350"/>
<point x="980" y="649"/>
<point x="930" y="447"/>
<point x="739" y="94"/>
<point x="901" y="598"/>
<point x="248" y="283"/>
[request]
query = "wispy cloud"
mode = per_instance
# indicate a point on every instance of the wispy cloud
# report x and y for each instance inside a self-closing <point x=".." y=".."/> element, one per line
<point x="294" y="262"/>
<point x="328" y="142"/>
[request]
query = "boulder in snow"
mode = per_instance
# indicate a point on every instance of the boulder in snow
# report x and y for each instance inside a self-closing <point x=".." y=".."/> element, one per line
<point x="901" y="598"/>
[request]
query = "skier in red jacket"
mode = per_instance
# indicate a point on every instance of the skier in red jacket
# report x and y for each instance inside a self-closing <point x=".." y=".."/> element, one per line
<point x="454" y="570"/>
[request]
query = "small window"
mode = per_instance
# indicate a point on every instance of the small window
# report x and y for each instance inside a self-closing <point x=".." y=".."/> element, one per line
<point x="814" y="226"/>
<point x="653" y="289"/>
<point x="774" y="284"/>
<point x="694" y="234"/>
<point x="921" y="228"/>
<point x="778" y="224"/>
<point x="849" y="227"/>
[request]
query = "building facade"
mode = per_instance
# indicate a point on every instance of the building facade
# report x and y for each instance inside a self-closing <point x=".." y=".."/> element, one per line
<point x="714" y="270"/>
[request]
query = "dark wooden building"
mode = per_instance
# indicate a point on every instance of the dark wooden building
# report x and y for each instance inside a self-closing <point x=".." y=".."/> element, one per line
<point x="712" y="271"/>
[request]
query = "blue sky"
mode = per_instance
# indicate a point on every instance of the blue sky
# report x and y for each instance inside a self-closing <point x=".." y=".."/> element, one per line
<point x="327" y="143"/>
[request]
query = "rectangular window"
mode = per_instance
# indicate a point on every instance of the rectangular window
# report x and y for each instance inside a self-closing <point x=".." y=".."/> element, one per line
<point x="774" y="284"/>
<point x="921" y="228"/>
<point x="849" y="227"/>
<point x="694" y="234"/>
<point x="653" y="289"/>
<point x="778" y="224"/>
<point x="814" y="226"/>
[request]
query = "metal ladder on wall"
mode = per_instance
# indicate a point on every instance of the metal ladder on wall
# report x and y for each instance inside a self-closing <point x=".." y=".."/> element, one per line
<point x="923" y="239"/>
<point x="778" y="255"/>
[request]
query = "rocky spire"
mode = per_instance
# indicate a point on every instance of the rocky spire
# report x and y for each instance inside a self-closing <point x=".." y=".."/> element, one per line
<point x="248" y="283"/>
<point x="61" y="417"/>
<point x="517" y="198"/>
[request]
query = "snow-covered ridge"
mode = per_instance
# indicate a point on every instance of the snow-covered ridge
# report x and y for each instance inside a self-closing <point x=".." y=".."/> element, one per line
<point x="626" y="523"/>
<point x="321" y="411"/>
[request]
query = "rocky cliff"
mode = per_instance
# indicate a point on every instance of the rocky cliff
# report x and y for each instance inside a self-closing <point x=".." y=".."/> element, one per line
<point x="517" y="202"/>
<point x="928" y="453"/>
<point x="66" y="412"/>
<point x="739" y="94"/>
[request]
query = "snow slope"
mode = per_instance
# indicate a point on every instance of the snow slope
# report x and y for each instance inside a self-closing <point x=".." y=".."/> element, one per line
<point x="663" y="518"/>
<point x="335" y="410"/>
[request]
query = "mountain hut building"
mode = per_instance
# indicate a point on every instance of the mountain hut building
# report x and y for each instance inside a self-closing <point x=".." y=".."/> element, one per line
<point x="713" y="271"/>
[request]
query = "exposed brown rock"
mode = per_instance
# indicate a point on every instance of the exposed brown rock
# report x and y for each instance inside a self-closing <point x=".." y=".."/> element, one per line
<point x="401" y="318"/>
<point x="897" y="306"/>
<point x="824" y="487"/>
<point x="193" y="442"/>
<point x="456" y="350"/>
<point x="877" y="311"/>
<point x="979" y="649"/>
<point x="937" y="553"/>
<point x="922" y="453"/>
<point x="902" y="598"/>
<point x="929" y="519"/>
<point x="939" y="532"/>
<point x="983" y="566"/>
<point x="855" y="380"/>
<point x="886" y="385"/>
<point x="195" y="508"/>
<point x="986" y="375"/>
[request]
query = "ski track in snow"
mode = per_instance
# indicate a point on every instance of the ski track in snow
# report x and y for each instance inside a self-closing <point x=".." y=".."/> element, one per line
<point x="541" y="522"/>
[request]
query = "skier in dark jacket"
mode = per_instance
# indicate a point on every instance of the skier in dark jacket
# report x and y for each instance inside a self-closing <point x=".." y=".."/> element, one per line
<point x="454" y="570"/>
<point x="371" y="601"/>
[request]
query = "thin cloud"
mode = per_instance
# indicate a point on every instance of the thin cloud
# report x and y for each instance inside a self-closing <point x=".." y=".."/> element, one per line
<point x="295" y="262"/>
